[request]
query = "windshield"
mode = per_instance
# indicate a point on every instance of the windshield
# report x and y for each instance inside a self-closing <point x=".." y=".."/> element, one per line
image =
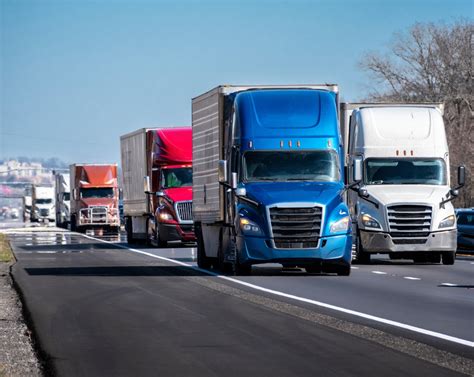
<point x="66" y="196"/>
<point x="177" y="177"/>
<point x="393" y="171"/>
<point x="466" y="219"/>
<point x="289" y="166"/>
<point x="102" y="192"/>
<point x="44" y="201"/>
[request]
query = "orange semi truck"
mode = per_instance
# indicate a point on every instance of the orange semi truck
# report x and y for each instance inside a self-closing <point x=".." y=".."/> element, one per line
<point x="157" y="185"/>
<point x="94" y="198"/>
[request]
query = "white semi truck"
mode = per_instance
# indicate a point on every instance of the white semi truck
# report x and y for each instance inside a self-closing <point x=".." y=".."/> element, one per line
<point x="42" y="206"/>
<point x="401" y="189"/>
<point x="62" y="198"/>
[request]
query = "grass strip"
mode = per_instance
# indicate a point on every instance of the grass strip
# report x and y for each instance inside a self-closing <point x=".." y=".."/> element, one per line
<point x="6" y="254"/>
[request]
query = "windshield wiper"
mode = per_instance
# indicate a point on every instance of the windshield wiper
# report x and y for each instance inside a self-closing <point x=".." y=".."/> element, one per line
<point x="297" y="179"/>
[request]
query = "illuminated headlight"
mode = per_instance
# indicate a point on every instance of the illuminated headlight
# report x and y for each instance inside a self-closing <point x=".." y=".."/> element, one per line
<point x="447" y="222"/>
<point x="248" y="226"/>
<point x="166" y="216"/>
<point x="341" y="225"/>
<point x="370" y="222"/>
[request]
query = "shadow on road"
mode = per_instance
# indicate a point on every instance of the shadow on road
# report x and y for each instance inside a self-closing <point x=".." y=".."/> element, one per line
<point x="115" y="271"/>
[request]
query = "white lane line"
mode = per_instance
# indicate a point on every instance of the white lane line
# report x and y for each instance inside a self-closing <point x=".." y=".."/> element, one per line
<point x="385" y="321"/>
<point x="449" y="284"/>
<point x="379" y="272"/>
<point x="411" y="278"/>
<point x="354" y="267"/>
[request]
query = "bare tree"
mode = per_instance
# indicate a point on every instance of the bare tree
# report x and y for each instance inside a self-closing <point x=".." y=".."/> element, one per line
<point x="434" y="63"/>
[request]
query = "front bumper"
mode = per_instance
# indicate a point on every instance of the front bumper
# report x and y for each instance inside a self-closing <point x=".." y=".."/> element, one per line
<point x="256" y="250"/>
<point x="175" y="232"/>
<point x="378" y="242"/>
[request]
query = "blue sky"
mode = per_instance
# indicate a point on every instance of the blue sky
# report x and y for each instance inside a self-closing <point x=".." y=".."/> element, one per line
<point x="75" y="75"/>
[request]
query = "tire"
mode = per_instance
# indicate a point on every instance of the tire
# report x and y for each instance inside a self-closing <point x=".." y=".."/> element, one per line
<point x="361" y="257"/>
<point x="159" y="242"/>
<point x="240" y="269"/>
<point x="343" y="269"/>
<point x="128" y="228"/>
<point x="448" y="257"/>
<point x="224" y="267"/>
<point x="202" y="260"/>
<point x="315" y="268"/>
<point x="73" y="223"/>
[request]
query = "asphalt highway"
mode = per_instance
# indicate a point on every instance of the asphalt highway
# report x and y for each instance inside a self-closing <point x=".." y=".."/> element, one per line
<point x="101" y="307"/>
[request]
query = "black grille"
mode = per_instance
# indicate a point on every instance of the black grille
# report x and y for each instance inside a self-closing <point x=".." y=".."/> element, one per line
<point x="185" y="210"/>
<point x="44" y="212"/>
<point x="296" y="228"/>
<point x="409" y="224"/>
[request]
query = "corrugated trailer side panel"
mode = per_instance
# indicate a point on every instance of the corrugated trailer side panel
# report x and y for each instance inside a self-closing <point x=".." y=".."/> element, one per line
<point x="207" y="120"/>
<point x="133" y="154"/>
<point x="72" y="185"/>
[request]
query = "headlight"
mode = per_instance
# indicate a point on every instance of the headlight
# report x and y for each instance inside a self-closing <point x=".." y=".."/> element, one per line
<point x="341" y="225"/>
<point x="248" y="226"/>
<point x="166" y="216"/>
<point x="370" y="222"/>
<point x="447" y="222"/>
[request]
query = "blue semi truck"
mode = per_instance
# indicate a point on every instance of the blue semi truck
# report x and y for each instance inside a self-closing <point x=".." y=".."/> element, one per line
<point x="268" y="182"/>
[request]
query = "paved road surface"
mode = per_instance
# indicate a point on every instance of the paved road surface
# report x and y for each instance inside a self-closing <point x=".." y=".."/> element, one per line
<point x="103" y="310"/>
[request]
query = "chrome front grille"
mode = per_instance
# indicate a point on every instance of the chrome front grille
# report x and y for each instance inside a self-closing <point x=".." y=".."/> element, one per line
<point x="409" y="224"/>
<point x="185" y="210"/>
<point x="296" y="228"/>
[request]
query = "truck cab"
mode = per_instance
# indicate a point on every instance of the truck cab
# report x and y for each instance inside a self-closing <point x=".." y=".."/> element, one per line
<point x="160" y="210"/>
<point x="94" y="199"/>
<point x="271" y="189"/>
<point x="42" y="207"/>
<point x="402" y="204"/>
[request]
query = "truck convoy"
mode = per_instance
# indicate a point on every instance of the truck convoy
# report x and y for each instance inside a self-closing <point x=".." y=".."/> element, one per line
<point x="42" y="204"/>
<point x="62" y="197"/>
<point x="94" y="199"/>
<point x="157" y="185"/>
<point x="397" y="162"/>
<point x="268" y="178"/>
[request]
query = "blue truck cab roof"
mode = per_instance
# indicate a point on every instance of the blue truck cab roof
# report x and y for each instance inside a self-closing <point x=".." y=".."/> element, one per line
<point x="286" y="119"/>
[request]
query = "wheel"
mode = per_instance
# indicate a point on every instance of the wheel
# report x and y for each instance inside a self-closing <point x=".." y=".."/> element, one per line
<point x="313" y="268"/>
<point x="361" y="256"/>
<point x="448" y="257"/>
<point x="129" y="229"/>
<point x="158" y="240"/>
<point x="73" y="223"/>
<point x="223" y="266"/>
<point x="343" y="269"/>
<point x="202" y="260"/>
<point x="240" y="269"/>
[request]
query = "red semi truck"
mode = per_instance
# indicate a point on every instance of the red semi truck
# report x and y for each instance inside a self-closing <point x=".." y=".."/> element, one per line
<point x="95" y="197"/>
<point x="157" y="185"/>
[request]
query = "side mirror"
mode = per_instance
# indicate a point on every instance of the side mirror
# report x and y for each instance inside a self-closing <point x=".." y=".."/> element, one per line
<point x="454" y="193"/>
<point x="160" y="194"/>
<point x="75" y="194"/>
<point x="461" y="176"/>
<point x="357" y="169"/>
<point x="222" y="171"/>
<point x="363" y="192"/>
<point x="233" y="183"/>
<point x="241" y="191"/>
<point x="146" y="184"/>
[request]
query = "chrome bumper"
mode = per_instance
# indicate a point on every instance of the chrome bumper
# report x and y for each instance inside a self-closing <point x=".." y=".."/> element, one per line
<point x="99" y="216"/>
<point x="377" y="242"/>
